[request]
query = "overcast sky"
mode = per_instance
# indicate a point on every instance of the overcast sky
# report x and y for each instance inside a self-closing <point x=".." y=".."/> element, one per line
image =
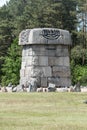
<point x="2" y="2"/>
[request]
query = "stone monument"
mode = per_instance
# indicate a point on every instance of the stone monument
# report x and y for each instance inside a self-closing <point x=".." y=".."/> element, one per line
<point x="45" y="57"/>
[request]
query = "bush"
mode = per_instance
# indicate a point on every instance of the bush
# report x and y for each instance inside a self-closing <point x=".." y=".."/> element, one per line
<point x="11" y="66"/>
<point x="79" y="73"/>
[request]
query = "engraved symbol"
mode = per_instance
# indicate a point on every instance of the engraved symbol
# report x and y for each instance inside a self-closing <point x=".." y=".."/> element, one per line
<point x="51" y="34"/>
<point x="24" y="36"/>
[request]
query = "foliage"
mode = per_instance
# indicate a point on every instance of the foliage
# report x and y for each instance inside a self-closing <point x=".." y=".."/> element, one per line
<point x="39" y="13"/>
<point x="82" y="21"/>
<point x="6" y="28"/>
<point x="79" y="73"/>
<point x="69" y="19"/>
<point x="6" y="36"/>
<point x="78" y="65"/>
<point x="11" y="65"/>
<point x="79" y="55"/>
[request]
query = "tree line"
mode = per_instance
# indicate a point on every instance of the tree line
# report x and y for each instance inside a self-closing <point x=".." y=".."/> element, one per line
<point x="64" y="14"/>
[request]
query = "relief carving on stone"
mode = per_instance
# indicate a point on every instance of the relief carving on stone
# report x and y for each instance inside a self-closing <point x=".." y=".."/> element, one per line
<point x="51" y="34"/>
<point x="24" y="36"/>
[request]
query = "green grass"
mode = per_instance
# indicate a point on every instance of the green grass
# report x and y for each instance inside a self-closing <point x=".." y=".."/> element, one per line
<point x="43" y="111"/>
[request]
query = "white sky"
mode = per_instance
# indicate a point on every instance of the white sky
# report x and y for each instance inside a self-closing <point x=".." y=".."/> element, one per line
<point x="2" y="2"/>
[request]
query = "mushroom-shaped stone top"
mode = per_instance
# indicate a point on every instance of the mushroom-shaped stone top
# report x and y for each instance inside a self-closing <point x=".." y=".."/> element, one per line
<point x="44" y="36"/>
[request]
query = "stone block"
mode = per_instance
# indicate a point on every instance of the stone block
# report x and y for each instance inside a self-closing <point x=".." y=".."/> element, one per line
<point x="61" y="71"/>
<point x="30" y="53"/>
<point x="66" y="50"/>
<point x="47" y="72"/>
<point x="44" y="36"/>
<point x="43" y="61"/>
<point x="32" y="60"/>
<point x="23" y="59"/>
<point x="33" y="71"/>
<point x="66" y="61"/>
<point x="38" y="71"/>
<point x="37" y="79"/>
<point x="66" y="82"/>
<point x="29" y="71"/>
<point x="54" y="80"/>
<point x="38" y="51"/>
<point x="23" y="52"/>
<point x="58" y="61"/>
<point x="51" y="61"/>
<point x="23" y="65"/>
<point x="60" y="82"/>
<point x="43" y="50"/>
<point x="26" y="51"/>
<point x="22" y="73"/>
<point x="51" y="87"/>
<point x="23" y="80"/>
<point x="28" y="61"/>
<point x="62" y="51"/>
<point x="43" y="82"/>
<point x="51" y="52"/>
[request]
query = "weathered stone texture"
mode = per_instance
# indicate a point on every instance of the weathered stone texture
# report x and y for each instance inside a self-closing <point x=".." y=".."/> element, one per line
<point x="43" y="61"/>
<point x="44" y="36"/>
<point x="61" y="71"/>
<point x="23" y="80"/>
<point x="58" y="61"/>
<point x="23" y="65"/>
<point x="22" y="73"/>
<point x="60" y="82"/>
<point x="38" y="71"/>
<point x="62" y="50"/>
<point x="45" y="57"/>
<point x="43" y="82"/>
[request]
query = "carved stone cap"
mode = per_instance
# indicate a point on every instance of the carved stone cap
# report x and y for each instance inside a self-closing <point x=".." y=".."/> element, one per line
<point x="44" y="36"/>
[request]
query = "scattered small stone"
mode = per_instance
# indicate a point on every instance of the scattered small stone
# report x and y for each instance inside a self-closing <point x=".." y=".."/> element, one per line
<point x="51" y="87"/>
<point x="85" y="102"/>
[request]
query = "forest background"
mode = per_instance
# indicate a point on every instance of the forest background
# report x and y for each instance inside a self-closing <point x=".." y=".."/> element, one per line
<point x="17" y="15"/>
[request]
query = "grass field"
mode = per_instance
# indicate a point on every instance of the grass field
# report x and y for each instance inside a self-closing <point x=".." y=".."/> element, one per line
<point x="43" y="111"/>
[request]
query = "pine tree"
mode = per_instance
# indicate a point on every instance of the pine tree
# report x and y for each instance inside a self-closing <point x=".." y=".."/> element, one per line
<point x="11" y="66"/>
<point x="82" y="22"/>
